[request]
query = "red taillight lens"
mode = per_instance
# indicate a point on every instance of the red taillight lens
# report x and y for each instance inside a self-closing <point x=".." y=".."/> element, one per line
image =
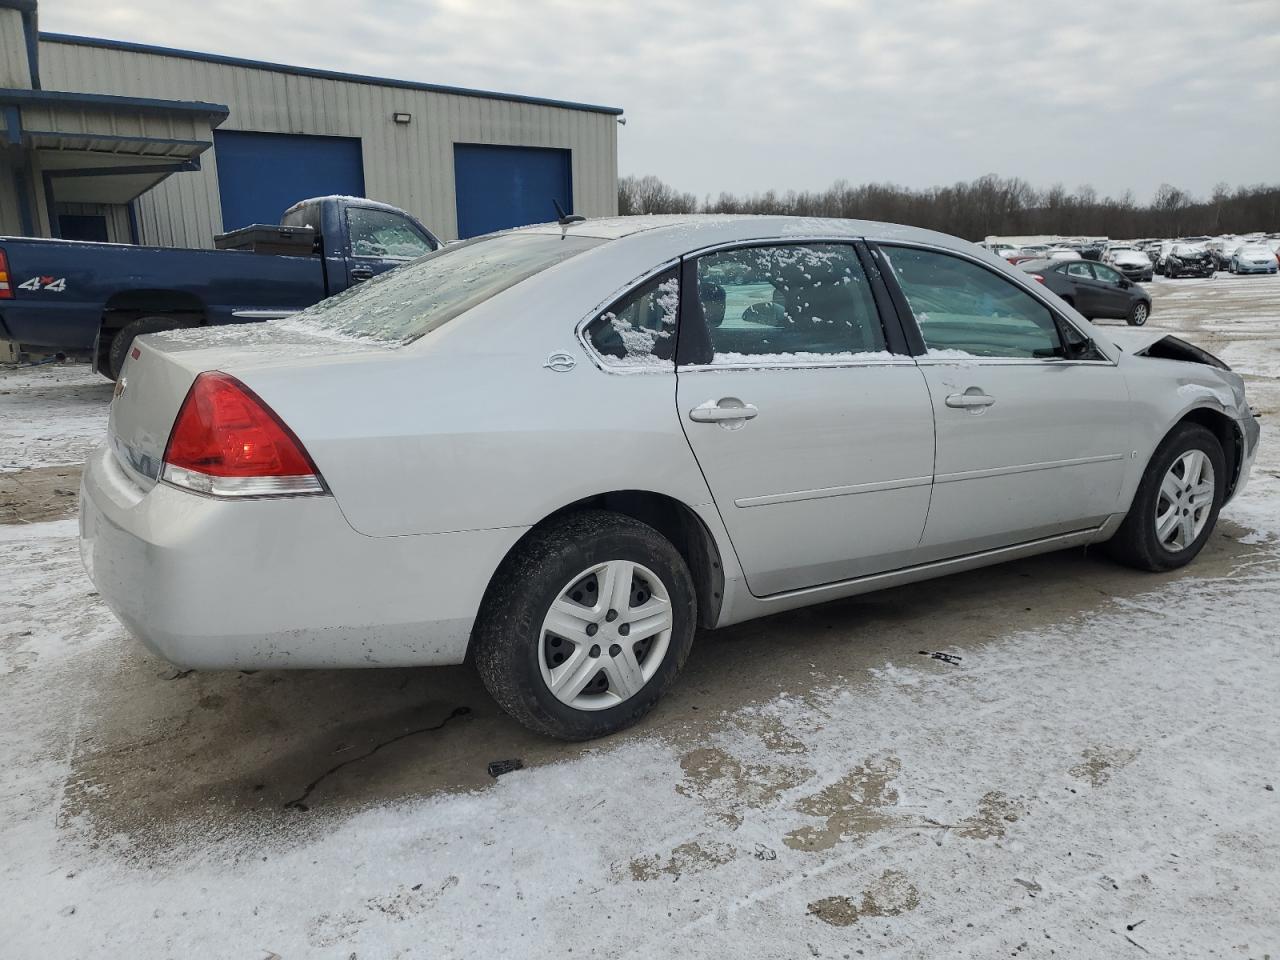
<point x="226" y="442"/>
<point x="6" y="288"/>
<point x="1037" y="277"/>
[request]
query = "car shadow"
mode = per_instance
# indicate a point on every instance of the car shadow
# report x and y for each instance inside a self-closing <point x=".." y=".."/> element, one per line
<point x="167" y="756"/>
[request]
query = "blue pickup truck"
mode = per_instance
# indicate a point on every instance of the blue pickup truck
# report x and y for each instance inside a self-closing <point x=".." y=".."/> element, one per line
<point x="96" y="297"/>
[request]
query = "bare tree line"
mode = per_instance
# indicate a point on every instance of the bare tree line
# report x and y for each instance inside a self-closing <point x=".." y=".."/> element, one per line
<point x="988" y="205"/>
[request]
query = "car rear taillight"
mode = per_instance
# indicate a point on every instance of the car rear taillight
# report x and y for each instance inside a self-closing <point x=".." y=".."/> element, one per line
<point x="6" y="288"/>
<point x="1037" y="277"/>
<point x="227" y="443"/>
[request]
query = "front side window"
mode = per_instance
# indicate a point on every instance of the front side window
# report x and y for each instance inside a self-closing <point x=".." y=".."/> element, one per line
<point x="786" y="304"/>
<point x="403" y="304"/>
<point x="386" y="235"/>
<point x="964" y="309"/>
<point x="1106" y="274"/>
<point x="639" y="329"/>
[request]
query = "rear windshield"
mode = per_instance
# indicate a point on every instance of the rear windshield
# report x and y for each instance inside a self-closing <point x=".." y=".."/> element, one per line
<point x="403" y="304"/>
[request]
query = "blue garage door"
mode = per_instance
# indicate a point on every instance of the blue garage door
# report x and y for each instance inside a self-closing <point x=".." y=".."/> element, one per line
<point x="260" y="175"/>
<point x="500" y="187"/>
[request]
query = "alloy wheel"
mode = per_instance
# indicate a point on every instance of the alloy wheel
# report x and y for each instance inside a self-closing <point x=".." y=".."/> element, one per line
<point x="1139" y="314"/>
<point x="1185" y="501"/>
<point x="605" y="636"/>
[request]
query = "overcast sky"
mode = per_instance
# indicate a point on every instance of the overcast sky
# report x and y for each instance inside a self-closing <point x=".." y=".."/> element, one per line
<point x="752" y="95"/>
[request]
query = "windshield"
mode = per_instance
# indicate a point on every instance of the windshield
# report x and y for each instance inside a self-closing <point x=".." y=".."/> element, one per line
<point x="401" y="305"/>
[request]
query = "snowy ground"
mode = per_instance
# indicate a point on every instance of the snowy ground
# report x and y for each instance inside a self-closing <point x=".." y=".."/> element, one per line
<point x="1094" y="778"/>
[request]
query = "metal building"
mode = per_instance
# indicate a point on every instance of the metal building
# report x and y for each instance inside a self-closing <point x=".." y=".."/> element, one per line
<point x="107" y="140"/>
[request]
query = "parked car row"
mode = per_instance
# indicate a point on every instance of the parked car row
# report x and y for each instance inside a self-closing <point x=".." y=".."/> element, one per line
<point x="1202" y="256"/>
<point x="1141" y="260"/>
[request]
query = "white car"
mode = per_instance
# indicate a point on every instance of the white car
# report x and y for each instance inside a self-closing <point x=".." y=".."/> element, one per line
<point x="1131" y="262"/>
<point x="1254" y="258"/>
<point x="561" y="449"/>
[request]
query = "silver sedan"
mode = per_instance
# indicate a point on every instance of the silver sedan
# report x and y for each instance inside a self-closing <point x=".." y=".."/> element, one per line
<point x="563" y="448"/>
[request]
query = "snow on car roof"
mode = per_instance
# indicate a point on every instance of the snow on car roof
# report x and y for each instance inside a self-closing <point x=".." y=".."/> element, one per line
<point x="698" y="230"/>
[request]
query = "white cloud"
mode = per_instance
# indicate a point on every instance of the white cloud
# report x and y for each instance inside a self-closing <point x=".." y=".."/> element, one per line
<point x="751" y="95"/>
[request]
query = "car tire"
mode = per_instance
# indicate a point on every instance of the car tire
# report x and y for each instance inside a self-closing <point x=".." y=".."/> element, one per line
<point x="1138" y="314"/>
<point x="558" y="568"/>
<point x="1144" y="540"/>
<point x="123" y="339"/>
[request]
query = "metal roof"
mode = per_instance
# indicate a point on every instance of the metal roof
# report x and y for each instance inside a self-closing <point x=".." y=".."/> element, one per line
<point x="321" y="74"/>
<point x="104" y="101"/>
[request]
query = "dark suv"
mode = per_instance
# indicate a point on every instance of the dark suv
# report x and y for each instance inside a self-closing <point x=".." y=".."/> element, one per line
<point x="1094" y="289"/>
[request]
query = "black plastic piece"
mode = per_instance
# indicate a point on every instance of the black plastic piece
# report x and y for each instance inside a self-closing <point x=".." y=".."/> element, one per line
<point x="498" y="767"/>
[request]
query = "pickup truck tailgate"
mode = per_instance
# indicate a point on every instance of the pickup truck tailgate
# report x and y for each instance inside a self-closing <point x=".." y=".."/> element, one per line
<point x="160" y="369"/>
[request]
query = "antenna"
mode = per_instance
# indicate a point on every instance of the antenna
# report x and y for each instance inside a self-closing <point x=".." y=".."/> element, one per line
<point x="565" y="219"/>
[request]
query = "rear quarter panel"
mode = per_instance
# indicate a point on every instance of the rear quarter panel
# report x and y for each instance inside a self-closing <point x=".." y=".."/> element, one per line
<point x="467" y="429"/>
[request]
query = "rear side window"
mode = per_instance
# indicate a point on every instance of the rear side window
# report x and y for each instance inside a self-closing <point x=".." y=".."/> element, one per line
<point x="383" y="234"/>
<point x="1080" y="270"/>
<point x="403" y="304"/>
<point x="639" y="330"/>
<point x="964" y="309"/>
<point x="786" y="304"/>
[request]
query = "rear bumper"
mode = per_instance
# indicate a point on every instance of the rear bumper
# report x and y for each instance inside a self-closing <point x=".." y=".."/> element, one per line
<point x="277" y="583"/>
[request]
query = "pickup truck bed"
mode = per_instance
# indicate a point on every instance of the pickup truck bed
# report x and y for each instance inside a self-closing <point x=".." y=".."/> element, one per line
<point x="95" y="297"/>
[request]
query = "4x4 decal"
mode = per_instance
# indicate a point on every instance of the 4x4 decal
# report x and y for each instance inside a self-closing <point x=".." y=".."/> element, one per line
<point x="52" y="284"/>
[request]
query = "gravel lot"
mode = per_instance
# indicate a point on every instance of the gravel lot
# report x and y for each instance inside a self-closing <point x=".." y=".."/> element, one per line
<point x="1093" y="777"/>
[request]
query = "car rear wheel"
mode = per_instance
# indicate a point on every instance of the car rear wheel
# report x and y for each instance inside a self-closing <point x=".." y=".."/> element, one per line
<point x="1138" y="314"/>
<point x="1177" y="503"/>
<point x="586" y="625"/>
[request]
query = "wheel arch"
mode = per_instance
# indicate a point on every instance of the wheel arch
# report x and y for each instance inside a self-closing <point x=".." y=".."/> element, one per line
<point x="125" y="306"/>
<point x="1229" y="435"/>
<point x="674" y="519"/>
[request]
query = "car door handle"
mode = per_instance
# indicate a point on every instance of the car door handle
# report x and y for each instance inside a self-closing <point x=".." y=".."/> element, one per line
<point x="359" y="274"/>
<point x="729" y="411"/>
<point x="970" y="400"/>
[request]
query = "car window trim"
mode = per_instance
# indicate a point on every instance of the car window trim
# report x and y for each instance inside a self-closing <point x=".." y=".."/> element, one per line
<point x="904" y="307"/>
<point x="693" y="326"/>
<point x="627" y="289"/>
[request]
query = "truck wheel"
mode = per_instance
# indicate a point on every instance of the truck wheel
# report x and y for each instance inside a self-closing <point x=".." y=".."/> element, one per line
<point x="123" y="339"/>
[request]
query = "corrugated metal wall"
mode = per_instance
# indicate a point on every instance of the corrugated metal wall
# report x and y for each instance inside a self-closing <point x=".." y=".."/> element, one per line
<point x="407" y="165"/>
<point x="14" y="70"/>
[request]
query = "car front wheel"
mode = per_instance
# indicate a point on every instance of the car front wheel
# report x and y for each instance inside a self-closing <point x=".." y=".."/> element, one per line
<point x="1138" y="314"/>
<point x="1177" y="503"/>
<point x="586" y="625"/>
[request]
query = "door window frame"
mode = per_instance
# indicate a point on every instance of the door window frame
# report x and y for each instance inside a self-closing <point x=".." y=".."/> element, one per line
<point x="916" y="336"/>
<point x="432" y="242"/>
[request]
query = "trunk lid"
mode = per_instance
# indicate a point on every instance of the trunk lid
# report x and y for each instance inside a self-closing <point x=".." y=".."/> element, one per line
<point x="161" y="367"/>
